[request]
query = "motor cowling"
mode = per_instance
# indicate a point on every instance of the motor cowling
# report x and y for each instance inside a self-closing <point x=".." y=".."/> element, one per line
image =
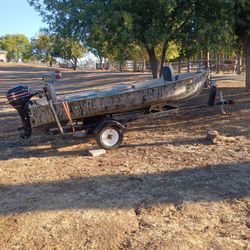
<point x="18" y="95"/>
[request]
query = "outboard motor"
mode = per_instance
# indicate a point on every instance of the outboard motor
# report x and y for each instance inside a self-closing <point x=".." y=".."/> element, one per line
<point x="19" y="97"/>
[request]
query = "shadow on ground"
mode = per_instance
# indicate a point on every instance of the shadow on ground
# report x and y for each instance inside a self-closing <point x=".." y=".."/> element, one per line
<point x="208" y="184"/>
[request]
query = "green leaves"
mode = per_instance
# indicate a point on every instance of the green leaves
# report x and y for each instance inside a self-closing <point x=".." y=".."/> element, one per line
<point x="18" y="47"/>
<point x="241" y="12"/>
<point x="69" y="49"/>
<point x="47" y="47"/>
<point x="111" y="28"/>
<point x="43" y="47"/>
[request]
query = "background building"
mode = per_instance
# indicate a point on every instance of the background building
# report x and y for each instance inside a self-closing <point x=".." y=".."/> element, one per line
<point x="3" y="56"/>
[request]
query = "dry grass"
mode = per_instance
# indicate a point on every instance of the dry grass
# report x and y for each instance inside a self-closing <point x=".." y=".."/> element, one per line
<point x="167" y="187"/>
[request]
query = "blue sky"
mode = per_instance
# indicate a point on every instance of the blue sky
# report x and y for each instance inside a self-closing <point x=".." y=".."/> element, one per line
<point x="17" y="17"/>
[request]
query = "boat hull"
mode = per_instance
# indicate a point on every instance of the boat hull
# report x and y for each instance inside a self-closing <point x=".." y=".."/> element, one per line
<point x="113" y="103"/>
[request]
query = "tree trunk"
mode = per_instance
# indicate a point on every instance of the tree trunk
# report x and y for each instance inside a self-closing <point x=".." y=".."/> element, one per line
<point x="248" y="64"/>
<point x="188" y="65"/>
<point x="179" y="65"/>
<point x="163" y="56"/>
<point x="143" y="66"/>
<point x="121" y="66"/>
<point x="134" y="66"/>
<point x="101" y="63"/>
<point x="238" y="61"/>
<point x="153" y="61"/>
<point x="218" y="63"/>
<point x="206" y="58"/>
<point x="75" y="63"/>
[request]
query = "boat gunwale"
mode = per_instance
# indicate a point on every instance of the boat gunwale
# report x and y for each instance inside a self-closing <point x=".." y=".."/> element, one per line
<point x="127" y="91"/>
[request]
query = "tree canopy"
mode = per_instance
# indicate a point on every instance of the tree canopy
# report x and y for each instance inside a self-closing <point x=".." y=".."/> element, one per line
<point x="112" y="27"/>
<point x="69" y="49"/>
<point x="121" y="30"/>
<point x="43" y="47"/>
<point x="240" y="10"/>
<point x="18" y="47"/>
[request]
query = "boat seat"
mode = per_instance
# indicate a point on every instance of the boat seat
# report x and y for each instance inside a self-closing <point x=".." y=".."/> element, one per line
<point x="168" y="73"/>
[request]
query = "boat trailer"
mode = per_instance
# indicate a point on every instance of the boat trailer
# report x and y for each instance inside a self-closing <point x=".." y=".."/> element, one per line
<point x="108" y="130"/>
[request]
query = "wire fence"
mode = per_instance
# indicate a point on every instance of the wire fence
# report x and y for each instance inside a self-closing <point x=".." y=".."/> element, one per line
<point x="230" y="66"/>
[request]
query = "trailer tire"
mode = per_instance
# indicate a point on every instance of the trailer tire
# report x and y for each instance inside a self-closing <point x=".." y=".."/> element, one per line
<point x="109" y="137"/>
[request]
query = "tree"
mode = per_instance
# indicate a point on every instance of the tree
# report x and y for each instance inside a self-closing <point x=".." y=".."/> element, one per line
<point x="156" y="22"/>
<point x="138" y="56"/>
<point x="241" y="10"/>
<point x="145" y="22"/>
<point x="213" y="29"/>
<point x="69" y="49"/>
<point x="18" y="47"/>
<point x="106" y="25"/>
<point x="207" y="32"/>
<point x="43" y="48"/>
<point x="97" y="44"/>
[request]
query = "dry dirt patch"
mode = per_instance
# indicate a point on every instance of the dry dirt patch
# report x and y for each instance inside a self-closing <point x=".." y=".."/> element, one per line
<point x="167" y="187"/>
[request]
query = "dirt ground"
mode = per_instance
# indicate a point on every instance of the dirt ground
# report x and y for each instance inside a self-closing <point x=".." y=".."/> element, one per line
<point x="166" y="187"/>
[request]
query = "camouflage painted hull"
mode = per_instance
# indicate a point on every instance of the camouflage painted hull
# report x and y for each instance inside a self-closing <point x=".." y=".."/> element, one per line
<point x="138" y="96"/>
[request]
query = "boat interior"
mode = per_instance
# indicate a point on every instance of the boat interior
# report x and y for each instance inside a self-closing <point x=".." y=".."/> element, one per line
<point x="120" y="88"/>
<point x="168" y="78"/>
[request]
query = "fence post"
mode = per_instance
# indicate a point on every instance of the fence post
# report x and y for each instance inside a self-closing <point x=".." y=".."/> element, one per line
<point x="199" y="65"/>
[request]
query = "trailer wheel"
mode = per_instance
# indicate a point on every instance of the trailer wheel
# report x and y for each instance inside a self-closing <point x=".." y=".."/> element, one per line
<point x="109" y="137"/>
